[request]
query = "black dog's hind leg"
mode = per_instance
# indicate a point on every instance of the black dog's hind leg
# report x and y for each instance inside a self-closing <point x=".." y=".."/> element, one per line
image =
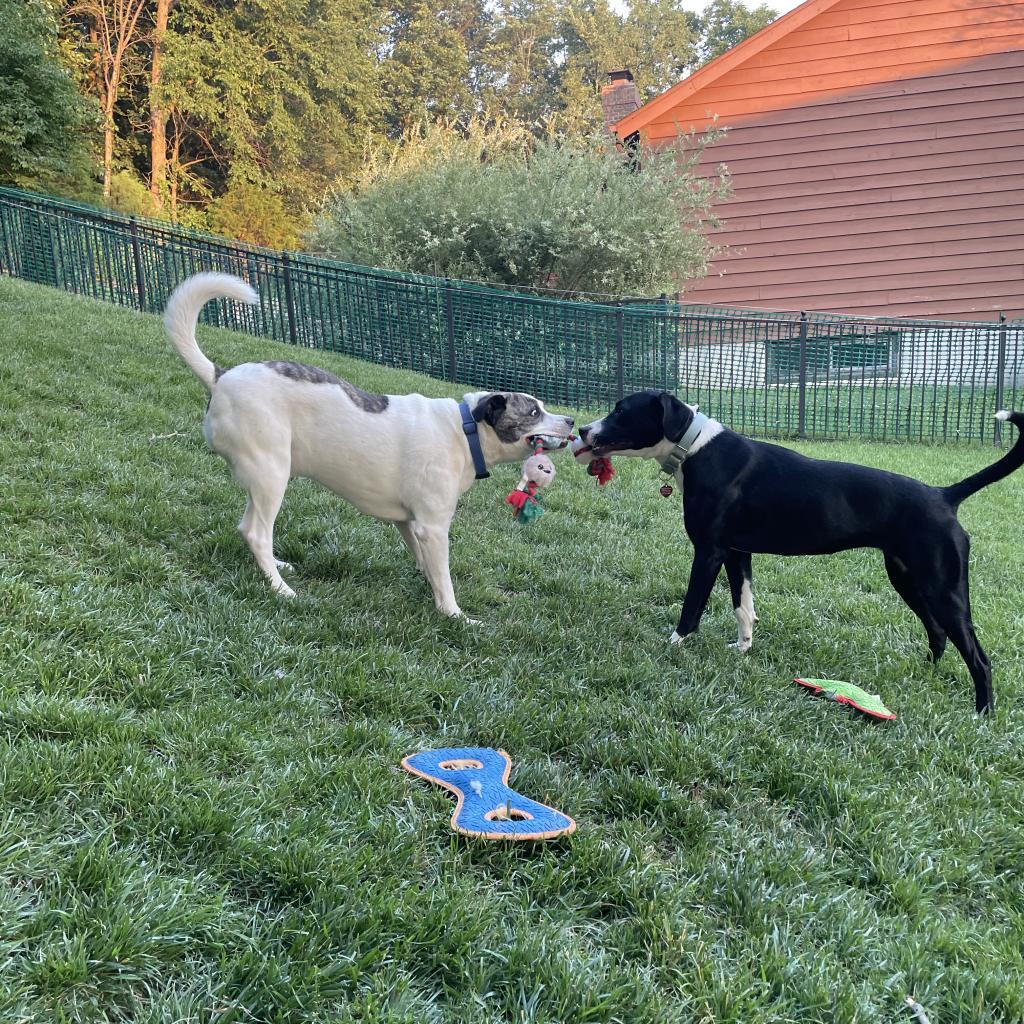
<point x="955" y="615"/>
<point x="965" y="640"/>
<point x="945" y="588"/>
<point x="903" y="582"/>
<point x="707" y="563"/>
<point x="741" y="585"/>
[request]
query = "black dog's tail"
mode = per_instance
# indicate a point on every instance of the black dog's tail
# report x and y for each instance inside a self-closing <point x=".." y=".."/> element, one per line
<point x="1012" y="460"/>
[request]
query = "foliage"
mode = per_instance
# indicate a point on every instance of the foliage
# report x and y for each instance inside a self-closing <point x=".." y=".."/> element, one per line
<point x="252" y="213"/>
<point x="204" y="817"/>
<point x="274" y="92"/>
<point x="658" y="42"/>
<point x="494" y="204"/>
<point x="196" y="96"/>
<point x="129" y="195"/>
<point x="43" y="119"/>
<point x="428" y="56"/>
<point x="726" y="23"/>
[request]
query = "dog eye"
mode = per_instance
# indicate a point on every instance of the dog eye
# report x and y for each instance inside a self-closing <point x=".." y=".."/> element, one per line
<point x="536" y="412"/>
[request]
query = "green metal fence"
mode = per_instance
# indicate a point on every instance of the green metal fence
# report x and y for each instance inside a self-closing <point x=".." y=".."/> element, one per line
<point x="774" y="374"/>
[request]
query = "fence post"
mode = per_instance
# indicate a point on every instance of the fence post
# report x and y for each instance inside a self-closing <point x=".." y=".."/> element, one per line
<point x="997" y="432"/>
<point x="449" y="316"/>
<point x="289" y="298"/>
<point x="620" y="375"/>
<point x="663" y="342"/>
<point x="802" y="407"/>
<point x="140" y="280"/>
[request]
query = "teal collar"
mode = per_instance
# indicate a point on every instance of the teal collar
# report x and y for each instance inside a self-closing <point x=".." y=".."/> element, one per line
<point x="673" y="462"/>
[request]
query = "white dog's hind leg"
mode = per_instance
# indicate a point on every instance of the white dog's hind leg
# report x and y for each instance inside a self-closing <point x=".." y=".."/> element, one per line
<point x="243" y="529"/>
<point x="266" y="492"/>
<point x="433" y="546"/>
<point x="406" y="530"/>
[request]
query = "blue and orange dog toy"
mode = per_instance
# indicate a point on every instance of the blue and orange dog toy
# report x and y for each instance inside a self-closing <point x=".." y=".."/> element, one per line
<point x="487" y="808"/>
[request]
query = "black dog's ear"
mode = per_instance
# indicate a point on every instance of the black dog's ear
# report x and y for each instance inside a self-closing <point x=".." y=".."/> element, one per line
<point x="489" y="409"/>
<point x="675" y="416"/>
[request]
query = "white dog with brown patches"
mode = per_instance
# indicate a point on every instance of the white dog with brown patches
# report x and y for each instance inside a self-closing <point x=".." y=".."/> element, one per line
<point x="405" y="459"/>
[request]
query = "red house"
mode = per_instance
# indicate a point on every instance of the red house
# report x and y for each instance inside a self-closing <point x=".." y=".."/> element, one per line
<point x="876" y="151"/>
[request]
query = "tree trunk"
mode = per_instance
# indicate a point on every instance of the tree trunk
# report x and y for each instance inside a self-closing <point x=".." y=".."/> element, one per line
<point x="113" y="84"/>
<point x="157" y="111"/>
<point x="175" y="150"/>
<point x="108" y="149"/>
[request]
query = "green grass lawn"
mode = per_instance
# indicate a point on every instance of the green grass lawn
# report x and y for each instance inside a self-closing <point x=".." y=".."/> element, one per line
<point x="203" y="814"/>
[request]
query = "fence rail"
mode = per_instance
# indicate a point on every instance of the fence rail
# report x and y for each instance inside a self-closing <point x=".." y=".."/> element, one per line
<point x="773" y="374"/>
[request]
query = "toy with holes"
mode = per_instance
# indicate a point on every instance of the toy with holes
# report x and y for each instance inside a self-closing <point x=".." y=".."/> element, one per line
<point x="487" y="808"/>
<point x="846" y="693"/>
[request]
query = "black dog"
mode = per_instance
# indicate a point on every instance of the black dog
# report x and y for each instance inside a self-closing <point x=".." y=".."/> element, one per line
<point x="742" y="496"/>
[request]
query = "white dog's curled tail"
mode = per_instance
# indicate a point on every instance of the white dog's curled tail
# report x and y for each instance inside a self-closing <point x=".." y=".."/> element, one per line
<point x="182" y="315"/>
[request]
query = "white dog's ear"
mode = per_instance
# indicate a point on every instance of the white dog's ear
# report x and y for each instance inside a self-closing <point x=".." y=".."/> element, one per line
<point x="489" y="409"/>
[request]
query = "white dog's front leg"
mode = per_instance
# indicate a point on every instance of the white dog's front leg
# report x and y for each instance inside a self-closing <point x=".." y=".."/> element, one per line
<point x="433" y="547"/>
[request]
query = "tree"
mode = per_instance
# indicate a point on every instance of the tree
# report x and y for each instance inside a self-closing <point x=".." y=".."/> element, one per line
<point x="548" y="59"/>
<point x="113" y="30"/>
<point x="726" y="23"/>
<point x="158" y="113"/>
<point x="252" y="214"/>
<point x="521" y="65"/>
<point x="657" y="41"/>
<point x="43" y="119"/>
<point x="278" y="93"/>
<point x="496" y="204"/>
<point x="427" y="56"/>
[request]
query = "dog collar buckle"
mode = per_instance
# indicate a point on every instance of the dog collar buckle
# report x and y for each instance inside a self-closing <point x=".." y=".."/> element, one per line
<point x="673" y="462"/>
<point x="472" y="432"/>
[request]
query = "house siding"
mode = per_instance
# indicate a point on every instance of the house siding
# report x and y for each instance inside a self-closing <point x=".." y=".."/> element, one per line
<point x="877" y="163"/>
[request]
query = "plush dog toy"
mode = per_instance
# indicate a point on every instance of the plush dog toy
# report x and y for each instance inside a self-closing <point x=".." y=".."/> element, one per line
<point x="538" y="472"/>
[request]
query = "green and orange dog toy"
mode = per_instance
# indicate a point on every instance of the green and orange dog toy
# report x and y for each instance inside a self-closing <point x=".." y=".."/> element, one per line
<point x="846" y="693"/>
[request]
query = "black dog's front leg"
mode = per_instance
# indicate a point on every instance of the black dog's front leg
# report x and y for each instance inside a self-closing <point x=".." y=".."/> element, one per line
<point x="707" y="564"/>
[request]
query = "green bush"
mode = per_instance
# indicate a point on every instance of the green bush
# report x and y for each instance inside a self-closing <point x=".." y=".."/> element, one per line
<point x="253" y="214"/>
<point x="131" y="196"/>
<point x="494" y="204"/>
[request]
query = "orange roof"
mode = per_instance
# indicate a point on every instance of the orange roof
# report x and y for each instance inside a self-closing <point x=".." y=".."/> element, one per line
<point x="714" y="70"/>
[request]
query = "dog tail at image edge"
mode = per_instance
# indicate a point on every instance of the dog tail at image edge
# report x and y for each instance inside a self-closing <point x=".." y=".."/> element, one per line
<point x="1012" y="460"/>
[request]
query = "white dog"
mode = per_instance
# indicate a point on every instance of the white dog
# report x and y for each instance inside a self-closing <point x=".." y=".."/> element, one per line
<point x="405" y="459"/>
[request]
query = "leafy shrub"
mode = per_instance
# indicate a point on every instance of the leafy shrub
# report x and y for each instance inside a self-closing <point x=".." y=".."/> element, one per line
<point x="131" y="196"/>
<point x="495" y="204"/>
<point x="253" y="214"/>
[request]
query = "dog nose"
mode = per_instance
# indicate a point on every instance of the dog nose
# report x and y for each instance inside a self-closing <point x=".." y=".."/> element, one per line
<point x="570" y="422"/>
<point x="583" y="433"/>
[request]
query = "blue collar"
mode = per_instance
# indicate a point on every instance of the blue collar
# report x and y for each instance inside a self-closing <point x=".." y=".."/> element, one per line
<point x="469" y="425"/>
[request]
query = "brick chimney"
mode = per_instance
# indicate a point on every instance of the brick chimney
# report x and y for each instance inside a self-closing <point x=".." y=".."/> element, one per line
<point x="619" y="97"/>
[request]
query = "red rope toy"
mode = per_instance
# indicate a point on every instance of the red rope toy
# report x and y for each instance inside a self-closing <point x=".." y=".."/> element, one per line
<point x="599" y="466"/>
